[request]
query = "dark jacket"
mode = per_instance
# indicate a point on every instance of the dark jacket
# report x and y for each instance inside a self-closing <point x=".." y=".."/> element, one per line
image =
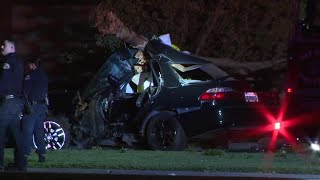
<point x="11" y="78"/>
<point x="36" y="85"/>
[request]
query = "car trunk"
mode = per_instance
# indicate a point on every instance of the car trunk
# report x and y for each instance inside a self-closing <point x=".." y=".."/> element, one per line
<point x="252" y="108"/>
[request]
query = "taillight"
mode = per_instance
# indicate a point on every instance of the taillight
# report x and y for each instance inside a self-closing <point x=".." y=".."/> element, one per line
<point x="277" y="125"/>
<point x="215" y="94"/>
<point x="289" y="90"/>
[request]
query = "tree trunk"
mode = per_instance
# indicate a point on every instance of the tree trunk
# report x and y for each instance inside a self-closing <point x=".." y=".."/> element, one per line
<point x="116" y="27"/>
<point x="245" y="67"/>
<point x="108" y="22"/>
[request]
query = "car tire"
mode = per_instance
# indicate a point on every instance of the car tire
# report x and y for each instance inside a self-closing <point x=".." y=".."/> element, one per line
<point x="57" y="133"/>
<point x="164" y="132"/>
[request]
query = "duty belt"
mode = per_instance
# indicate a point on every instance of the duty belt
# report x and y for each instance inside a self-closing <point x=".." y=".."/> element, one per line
<point x="9" y="96"/>
<point x="42" y="101"/>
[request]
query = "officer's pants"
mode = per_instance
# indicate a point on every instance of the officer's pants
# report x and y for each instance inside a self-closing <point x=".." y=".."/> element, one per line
<point x="33" y="125"/>
<point x="10" y="111"/>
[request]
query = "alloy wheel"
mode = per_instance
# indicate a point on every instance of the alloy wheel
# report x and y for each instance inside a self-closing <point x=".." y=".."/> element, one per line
<point x="54" y="135"/>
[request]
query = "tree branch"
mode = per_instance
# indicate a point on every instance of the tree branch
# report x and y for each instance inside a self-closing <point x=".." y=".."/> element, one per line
<point x="108" y="22"/>
<point x="244" y="67"/>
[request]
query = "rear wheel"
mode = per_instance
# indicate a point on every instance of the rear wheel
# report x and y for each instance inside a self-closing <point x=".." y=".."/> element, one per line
<point x="165" y="133"/>
<point x="57" y="133"/>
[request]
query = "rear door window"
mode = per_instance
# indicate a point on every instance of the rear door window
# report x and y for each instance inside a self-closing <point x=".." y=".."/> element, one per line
<point x="190" y="74"/>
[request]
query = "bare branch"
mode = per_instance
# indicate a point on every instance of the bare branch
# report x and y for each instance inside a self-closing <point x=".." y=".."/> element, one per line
<point x="211" y="23"/>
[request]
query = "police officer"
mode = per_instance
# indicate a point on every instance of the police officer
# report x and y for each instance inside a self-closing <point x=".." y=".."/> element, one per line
<point x="11" y="104"/>
<point x="35" y="91"/>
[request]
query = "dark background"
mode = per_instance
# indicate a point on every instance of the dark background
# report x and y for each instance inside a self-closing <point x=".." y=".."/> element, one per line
<point x="56" y="32"/>
<point x="61" y="33"/>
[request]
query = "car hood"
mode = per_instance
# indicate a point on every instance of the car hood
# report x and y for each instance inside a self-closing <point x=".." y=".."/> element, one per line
<point x="157" y="47"/>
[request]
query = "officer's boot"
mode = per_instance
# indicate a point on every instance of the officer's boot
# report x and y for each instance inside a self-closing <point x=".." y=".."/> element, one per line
<point x="42" y="158"/>
<point x="18" y="165"/>
<point x="24" y="163"/>
<point x="1" y="166"/>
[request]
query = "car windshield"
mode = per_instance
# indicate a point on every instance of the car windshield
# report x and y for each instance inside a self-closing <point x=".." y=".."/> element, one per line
<point x="115" y="65"/>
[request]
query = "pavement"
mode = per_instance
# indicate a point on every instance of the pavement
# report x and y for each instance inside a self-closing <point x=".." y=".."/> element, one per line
<point x="88" y="174"/>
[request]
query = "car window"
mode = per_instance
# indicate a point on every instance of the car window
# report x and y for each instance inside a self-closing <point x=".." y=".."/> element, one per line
<point x="189" y="74"/>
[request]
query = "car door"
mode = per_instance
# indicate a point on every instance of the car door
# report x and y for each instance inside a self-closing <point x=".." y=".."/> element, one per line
<point x="181" y="95"/>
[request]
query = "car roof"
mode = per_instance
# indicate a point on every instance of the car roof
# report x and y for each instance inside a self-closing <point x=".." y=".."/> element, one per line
<point x="157" y="47"/>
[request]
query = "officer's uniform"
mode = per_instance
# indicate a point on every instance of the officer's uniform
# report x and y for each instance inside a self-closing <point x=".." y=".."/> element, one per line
<point x="11" y="104"/>
<point x="35" y="90"/>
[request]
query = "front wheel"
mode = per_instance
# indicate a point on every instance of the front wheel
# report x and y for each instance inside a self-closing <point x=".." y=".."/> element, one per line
<point x="165" y="133"/>
<point x="57" y="133"/>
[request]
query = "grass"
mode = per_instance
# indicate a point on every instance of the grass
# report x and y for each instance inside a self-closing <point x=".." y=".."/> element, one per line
<point x="206" y="161"/>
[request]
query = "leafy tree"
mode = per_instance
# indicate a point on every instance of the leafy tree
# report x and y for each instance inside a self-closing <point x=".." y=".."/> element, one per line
<point x="251" y="30"/>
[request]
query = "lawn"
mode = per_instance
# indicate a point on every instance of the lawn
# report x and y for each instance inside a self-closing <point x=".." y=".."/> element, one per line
<point x="190" y="160"/>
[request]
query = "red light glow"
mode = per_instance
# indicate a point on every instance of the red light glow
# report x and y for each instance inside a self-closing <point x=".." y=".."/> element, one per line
<point x="289" y="90"/>
<point x="277" y="125"/>
<point x="211" y="96"/>
<point x="219" y="96"/>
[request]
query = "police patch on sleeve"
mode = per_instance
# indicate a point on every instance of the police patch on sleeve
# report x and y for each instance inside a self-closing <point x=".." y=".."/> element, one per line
<point x="6" y="66"/>
<point x="27" y="77"/>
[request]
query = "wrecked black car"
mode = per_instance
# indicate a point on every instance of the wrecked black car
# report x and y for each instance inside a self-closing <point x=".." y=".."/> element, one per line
<point x="173" y="108"/>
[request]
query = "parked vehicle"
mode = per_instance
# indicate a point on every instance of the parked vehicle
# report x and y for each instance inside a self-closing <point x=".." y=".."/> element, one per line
<point x="63" y="85"/>
<point x="302" y="86"/>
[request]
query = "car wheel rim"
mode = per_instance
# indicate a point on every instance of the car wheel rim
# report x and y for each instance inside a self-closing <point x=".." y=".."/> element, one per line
<point x="164" y="133"/>
<point x="54" y="135"/>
